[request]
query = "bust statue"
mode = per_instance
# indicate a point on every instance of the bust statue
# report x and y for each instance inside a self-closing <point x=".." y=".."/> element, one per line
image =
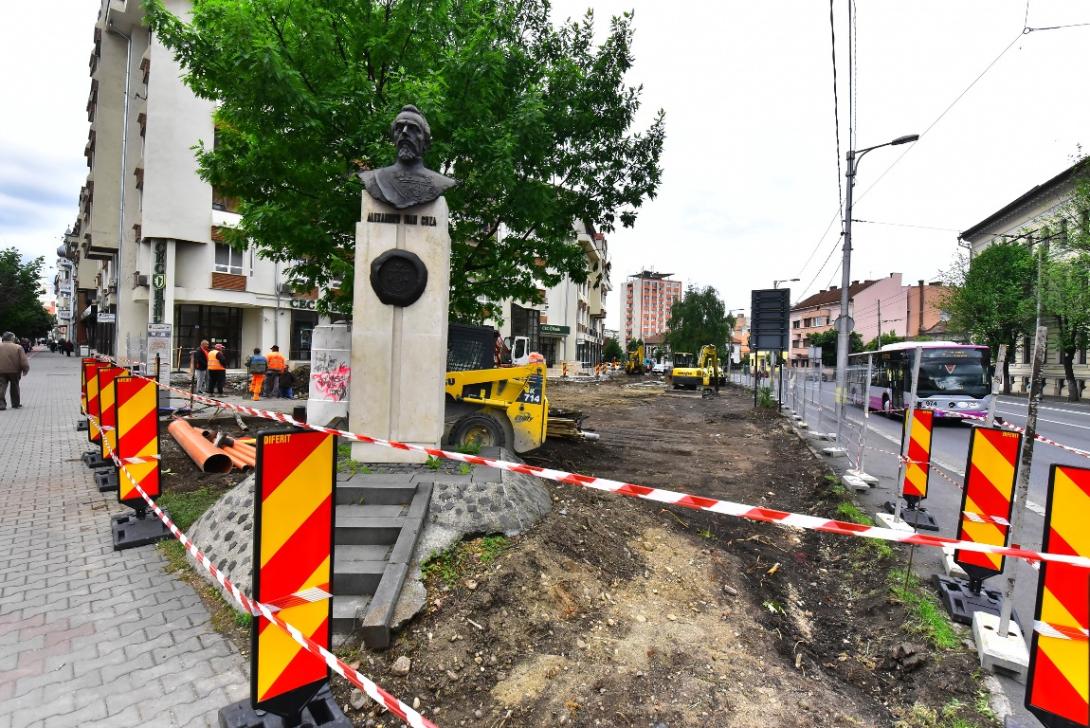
<point x="407" y="182"/>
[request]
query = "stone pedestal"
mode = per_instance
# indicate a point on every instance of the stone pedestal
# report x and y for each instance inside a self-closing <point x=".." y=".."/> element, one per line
<point x="399" y="354"/>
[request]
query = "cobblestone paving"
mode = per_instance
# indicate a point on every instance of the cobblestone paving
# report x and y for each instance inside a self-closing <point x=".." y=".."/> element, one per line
<point x="90" y="636"/>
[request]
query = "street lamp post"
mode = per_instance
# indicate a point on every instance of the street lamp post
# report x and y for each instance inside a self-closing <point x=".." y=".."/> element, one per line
<point x="844" y="322"/>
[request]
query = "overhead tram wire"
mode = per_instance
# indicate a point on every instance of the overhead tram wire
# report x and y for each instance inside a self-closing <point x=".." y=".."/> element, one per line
<point x="906" y="225"/>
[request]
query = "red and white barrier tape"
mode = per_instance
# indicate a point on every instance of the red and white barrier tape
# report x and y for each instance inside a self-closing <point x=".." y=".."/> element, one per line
<point x="1060" y="632"/>
<point x="1039" y="437"/>
<point x="670" y="497"/>
<point x="254" y="607"/>
<point x="981" y="518"/>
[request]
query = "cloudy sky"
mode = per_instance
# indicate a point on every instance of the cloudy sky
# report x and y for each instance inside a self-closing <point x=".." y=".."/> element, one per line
<point x="751" y="183"/>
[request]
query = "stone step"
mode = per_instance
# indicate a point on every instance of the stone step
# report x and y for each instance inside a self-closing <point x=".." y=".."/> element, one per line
<point x="355" y="525"/>
<point x="374" y="490"/>
<point x="356" y="577"/>
<point x="347" y="610"/>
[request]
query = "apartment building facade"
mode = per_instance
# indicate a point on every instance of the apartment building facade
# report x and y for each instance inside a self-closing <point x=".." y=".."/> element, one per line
<point x="146" y="245"/>
<point x="647" y="299"/>
<point x="814" y="315"/>
<point x="567" y="323"/>
<point x="1032" y="220"/>
<point x="909" y="311"/>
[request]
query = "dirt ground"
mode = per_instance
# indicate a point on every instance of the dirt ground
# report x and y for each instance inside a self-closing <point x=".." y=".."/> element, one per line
<point x="617" y="612"/>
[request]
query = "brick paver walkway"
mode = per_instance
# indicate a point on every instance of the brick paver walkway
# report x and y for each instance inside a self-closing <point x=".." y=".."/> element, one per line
<point x="90" y="636"/>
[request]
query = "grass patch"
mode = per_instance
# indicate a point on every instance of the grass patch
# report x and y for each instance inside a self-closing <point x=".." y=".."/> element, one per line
<point x="848" y="511"/>
<point x="926" y="617"/>
<point x="433" y="463"/>
<point x="954" y="714"/>
<point x="871" y="547"/>
<point x="451" y="565"/>
<point x="346" y="464"/>
<point x="186" y="508"/>
<point x="765" y="399"/>
<point x="464" y="469"/>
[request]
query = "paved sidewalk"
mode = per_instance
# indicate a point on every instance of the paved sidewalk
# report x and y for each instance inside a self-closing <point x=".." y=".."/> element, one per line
<point x="90" y="636"/>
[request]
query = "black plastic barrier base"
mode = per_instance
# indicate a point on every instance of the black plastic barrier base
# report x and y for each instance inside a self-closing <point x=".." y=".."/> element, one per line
<point x="961" y="603"/>
<point x="81" y="425"/>
<point x="321" y="712"/>
<point x="106" y="480"/>
<point x="918" y="518"/>
<point x="130" y="531"/>
<point x="93" y="459"/>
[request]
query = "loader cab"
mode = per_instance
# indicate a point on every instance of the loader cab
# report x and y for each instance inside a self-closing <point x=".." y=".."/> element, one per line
<point x="520" y="350"/>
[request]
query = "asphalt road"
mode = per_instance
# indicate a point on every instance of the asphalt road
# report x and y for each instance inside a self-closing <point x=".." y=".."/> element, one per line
<point x="1061" y="421"/>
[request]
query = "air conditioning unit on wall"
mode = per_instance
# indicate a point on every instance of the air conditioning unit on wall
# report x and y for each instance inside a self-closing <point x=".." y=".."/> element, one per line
<point x="286" y="289"/>
<point x="139" y="280"/>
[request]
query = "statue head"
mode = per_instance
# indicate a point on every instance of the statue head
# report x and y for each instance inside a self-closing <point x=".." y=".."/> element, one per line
<point x="411" y="134"/>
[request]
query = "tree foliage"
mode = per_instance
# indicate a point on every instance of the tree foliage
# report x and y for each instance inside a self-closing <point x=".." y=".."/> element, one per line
<point x="992" y="297"/>
<point x="612" y="350"/>
<point x="534" y="121"/>
<point x="827" y="341"/>
<point x="699" y="318"/>
<point x="21" y="311"/>
<point x="881" y="340"/>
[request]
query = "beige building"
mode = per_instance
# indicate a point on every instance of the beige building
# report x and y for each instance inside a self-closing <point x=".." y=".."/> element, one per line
<point x="1024" y="219"/>
<point x="145" y="246"/>
<point x="647" y="299"/>
<point x="567" y="323"/>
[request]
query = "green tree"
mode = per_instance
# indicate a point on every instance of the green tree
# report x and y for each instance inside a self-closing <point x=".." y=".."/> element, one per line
<point x="699" y="318"/>
<point x="612" y="350"/>
<point x="992" y="298"/>
<point x="21" y="311"/>
<point x="535" y="121"/>
<point x="882" y="340"/>
<point x="827" y="341"/>
<point x="1065" y="295"/>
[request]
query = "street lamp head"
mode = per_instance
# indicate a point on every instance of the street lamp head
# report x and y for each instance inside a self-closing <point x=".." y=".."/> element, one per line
<point x="905" y="139"/>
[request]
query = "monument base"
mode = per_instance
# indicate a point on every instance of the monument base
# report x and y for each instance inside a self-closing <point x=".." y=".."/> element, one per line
<point x="366" y="452"/>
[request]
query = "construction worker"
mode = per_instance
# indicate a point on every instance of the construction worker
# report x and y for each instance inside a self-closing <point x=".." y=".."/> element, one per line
<point x="257" y="365"/>
<point x="198" y="367"/>
<point x="217" y="370"/>
<point x="277" y="365"/>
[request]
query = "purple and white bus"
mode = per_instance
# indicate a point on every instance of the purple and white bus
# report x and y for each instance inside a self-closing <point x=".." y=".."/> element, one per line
<point x="955" y="379"/>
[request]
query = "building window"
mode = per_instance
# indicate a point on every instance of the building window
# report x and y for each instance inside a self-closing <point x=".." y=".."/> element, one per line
<point x="302" y="329"/>
<point x="795" y="324"/>
<point x="217" y="324"/>
<point x="228" y="260"/>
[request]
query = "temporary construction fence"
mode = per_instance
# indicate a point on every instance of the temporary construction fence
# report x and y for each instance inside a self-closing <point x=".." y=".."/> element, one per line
<point x="1066" y="557"/>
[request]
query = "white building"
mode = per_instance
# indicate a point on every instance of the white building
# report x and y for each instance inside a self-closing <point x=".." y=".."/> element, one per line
<point x="145" y="246"/>
<point x="567" y="323"/>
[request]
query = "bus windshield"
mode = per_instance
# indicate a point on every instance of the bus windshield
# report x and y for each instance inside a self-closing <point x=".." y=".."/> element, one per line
<point x="947" y="372"/>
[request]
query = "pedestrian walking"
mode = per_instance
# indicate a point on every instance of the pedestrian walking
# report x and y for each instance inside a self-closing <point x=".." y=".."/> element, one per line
<point x="69" y="347"/>
<point x="277" y="366"/>
<point x="198" y="368"/>
<point x="257" y="365"/>
<point x="14" y="365"/>
<point x="217" y="370"/>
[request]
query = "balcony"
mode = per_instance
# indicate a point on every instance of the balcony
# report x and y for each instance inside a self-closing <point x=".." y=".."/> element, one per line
<point x="228" y="282"/>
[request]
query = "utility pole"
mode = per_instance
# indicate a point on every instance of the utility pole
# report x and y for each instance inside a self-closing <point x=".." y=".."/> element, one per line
<point x="844" y="322"/>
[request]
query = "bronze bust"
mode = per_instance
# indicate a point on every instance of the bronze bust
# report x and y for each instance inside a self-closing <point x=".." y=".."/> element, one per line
<point x="407" y="182"/>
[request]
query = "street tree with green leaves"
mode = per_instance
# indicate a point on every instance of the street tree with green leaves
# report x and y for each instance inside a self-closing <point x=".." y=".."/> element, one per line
<point x="881" y="340"/>
<point x="827" y="341"/>
<point x="535" y="121"/>
<point x="699" y="318"/>
<point x="21" y="311"/>
<point x="992" y="298"/>
<point x="1065" y="295"/>
<point x="612" y="350"/>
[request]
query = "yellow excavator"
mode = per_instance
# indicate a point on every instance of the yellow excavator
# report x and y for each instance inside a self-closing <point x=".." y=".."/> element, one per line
<point x="634" y="363"/>
<point x="706" y="373"/>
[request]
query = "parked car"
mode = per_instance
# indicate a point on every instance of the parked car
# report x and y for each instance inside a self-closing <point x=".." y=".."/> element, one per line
<point x="662" y="367"/>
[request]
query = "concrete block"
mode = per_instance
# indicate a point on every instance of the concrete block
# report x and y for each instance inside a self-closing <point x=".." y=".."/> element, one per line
<point x="865" y="477"/>
<point x="1000" y="653"/>
<point x="888" y="520"/>
<point x="854" y="483"/>
<point x="804" y="425"/>
<point x="831" y="436"/>
<point x="835" y="452"/>
<point x="951" y="567"/>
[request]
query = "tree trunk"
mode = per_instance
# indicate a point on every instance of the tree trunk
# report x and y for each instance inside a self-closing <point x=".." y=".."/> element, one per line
<point x="1073" y="393"/>
<point x="1007" y="372"/>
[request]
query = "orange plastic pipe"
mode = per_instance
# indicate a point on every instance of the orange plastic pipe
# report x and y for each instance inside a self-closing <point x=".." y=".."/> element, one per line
<point x="234" y="453"/>
<point x="208" y="458"/>
<point x="237" y="460"/>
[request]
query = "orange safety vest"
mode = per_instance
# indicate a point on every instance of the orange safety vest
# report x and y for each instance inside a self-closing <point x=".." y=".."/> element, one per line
<point x="214" y="363"/>
<point x="277" y="362"/>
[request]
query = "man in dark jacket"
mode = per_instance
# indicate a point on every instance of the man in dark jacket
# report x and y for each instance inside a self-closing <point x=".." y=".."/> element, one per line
<point x="14" y="365"/>
<point x="199" y="367"/>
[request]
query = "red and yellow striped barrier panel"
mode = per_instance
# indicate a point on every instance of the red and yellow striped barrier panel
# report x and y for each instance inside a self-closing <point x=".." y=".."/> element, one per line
<point x="90" y="371"/>
<point x="107" y="411"/>
<point x="85" y="363"/>
<point x="137" y="404"/>
<point x="986" y="501"/>
<point x="293" y="553"/>
<point x="1058" y="686"/>
<point x="918" y="467"/>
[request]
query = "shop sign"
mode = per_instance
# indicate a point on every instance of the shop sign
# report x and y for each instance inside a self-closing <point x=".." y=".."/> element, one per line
<point x="304" y="304"/>
<point x="555" y="329"/>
